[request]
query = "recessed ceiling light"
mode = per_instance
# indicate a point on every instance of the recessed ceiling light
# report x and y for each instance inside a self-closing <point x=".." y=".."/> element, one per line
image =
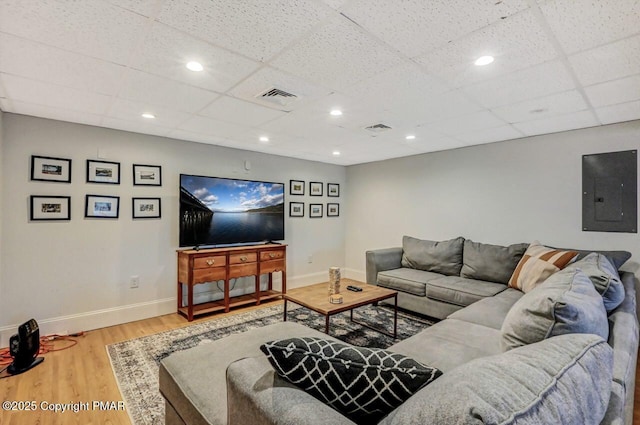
<point x="336" y="153"/>
<point x="148" y="115"/>
<point x="264" y="139"/>
<point x="410" y="137"/>
<point x="194" y="66"/>
<point x="484" y="60"/>
<point x="336" y="112"/>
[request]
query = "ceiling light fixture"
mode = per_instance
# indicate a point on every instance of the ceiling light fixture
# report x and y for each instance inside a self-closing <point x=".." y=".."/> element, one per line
<point x="194" y="66"/>
<point x="410" y="137"/>
<point x="336" y="153"/>
<point x="148" y="115"/>
<point x="336" y="112"/>
<point x="484" y="60"/>
<point x="264" y="139"/>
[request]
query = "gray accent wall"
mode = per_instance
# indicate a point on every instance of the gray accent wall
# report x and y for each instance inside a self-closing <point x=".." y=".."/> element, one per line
<point x="501" y="193"/>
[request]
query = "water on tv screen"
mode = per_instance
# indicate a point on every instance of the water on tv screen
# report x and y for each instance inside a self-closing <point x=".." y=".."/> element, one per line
<point x="222" y="211"/>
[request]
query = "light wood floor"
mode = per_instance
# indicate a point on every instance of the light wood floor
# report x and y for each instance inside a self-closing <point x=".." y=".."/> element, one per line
<point x="83" y="374"/>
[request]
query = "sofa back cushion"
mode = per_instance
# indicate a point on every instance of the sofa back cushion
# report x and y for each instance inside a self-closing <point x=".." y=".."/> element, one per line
<point x="604" y="277"/>
<point x="562" y="380"/>
<point x="494" y="263"/>
<point x="440" y="257"/>
<point x="565" y="303"/>
<point x="537" y="264"/>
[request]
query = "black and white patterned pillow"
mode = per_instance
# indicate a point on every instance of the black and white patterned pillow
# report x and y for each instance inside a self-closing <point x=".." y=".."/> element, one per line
<point x="363" y="384"/>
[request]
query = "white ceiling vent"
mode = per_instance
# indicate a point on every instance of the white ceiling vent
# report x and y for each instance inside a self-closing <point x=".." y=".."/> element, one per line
<point x="277" y="96"/>
<point x="378" y="128"/>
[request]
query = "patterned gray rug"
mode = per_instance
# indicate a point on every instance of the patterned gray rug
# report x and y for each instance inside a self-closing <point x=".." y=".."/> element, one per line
<point x="135" y="362"/>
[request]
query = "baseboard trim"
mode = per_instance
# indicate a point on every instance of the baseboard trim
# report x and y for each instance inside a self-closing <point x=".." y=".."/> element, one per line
<point x="355" y="274"/>
<point x="87" y="321"/>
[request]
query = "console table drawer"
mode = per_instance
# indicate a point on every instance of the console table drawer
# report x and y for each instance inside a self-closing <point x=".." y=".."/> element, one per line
<point x="207" y="262"/>
<point x="271" y="266"/>
<point x="247" y="257"/>
<point x="240" y="270"/>
<point x="271" y="255"/>
<point x="209" y="275"/>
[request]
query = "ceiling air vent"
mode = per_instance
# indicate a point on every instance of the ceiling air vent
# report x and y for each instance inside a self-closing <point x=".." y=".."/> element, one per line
<point x="378" y="128"/>
<point x="277" y="96"/>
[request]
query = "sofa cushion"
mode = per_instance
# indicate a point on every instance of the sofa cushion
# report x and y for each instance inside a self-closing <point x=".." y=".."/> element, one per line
<point x="494" y="263"/>
<point x="565" y="303"/>
<point x="362" y="383"/>
<point x="538" y="263"/>
<point x="562" y="380"/>
<point x="407" y="280"/>
<point x="460" y="291"/>
<point x="617" y="258"/>
<point x="441" y="257"/>
<point x="604" y="276"/>
<point x="490" y="311"/>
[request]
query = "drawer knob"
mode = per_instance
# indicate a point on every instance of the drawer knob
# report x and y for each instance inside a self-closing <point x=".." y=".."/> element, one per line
<point x="271" y="255"/>
<point x="243" y="258"/>
<point x="211" y="262"/>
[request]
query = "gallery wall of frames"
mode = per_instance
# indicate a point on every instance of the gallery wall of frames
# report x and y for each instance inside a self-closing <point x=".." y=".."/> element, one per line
<point x="96" y="205"/>
<point x="316" y="209"/>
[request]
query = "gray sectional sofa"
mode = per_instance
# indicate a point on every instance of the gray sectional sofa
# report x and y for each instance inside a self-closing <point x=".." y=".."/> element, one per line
<point x="571" y="376"/>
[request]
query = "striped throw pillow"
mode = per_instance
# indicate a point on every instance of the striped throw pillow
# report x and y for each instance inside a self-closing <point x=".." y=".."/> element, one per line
<point x="537" y="264"/>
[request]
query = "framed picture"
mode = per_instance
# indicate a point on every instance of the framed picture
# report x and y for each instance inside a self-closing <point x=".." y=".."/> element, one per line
<point x="50" y="208"/>
<point x="333" y="210"/>
<point x="333" y="189"/>
<point x="146" y="208"/>
<point x="147" y="175"/>
<point x="296" y="187"/>
<point x="296" y="209"/>
<point x="99" y="206"/>
<point x="315" y="210"/>
<point x="49" y="169"/>
<point x="103" y="172"/>
<point x="315" y="188"/>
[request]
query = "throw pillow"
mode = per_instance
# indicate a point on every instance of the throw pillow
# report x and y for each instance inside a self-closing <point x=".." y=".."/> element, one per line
<point x="537" y="264"/>
<point x="604" y="276"/>
<point x="361" y="383"/>
<point x="439" y="257"/>
<point x="565" y="303"/>
<point x="494" y="263"/>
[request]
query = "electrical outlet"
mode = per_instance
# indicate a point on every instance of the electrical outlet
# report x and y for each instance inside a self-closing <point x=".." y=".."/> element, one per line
<point x="134" y="282"/>
<point x="310" y="259"/>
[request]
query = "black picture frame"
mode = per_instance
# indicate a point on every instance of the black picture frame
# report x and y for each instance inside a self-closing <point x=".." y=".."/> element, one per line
<point x="101" y="206"/>
<point x="296" y="209"/>
<point x="333" y="210"/>
<point x="147" y="175"/>
<point x="315" y="210"/>
<point x="50" y="169"/>
<point x="296" y="187"/>
<point x="315" y="188"/>
<point x="49" y="208"/>
<point x="144" y="208"/>
<point x="333" y="190"/>
<point x="103" y="172"/>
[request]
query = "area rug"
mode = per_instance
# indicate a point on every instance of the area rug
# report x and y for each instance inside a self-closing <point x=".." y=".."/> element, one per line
<point x="135" y="362"/>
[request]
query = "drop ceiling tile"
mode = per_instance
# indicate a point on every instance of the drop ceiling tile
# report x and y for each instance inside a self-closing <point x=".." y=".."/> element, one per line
<point x="535" y="109"/>
<point x="54" y="113"/>
<point x="438" y="108"/>
<point x="335" y="4"/>
<point x="619" y="113"/>
<point x="434" y="144"/>
<point x="167" y="51"/>
<point x="582" y="119"/>
<point x="267" y="26"/>
<point x="337" y="55"/>
<point x="211" y="127"/>
<point x="537" y="81"/>
<point x="582" y="24"/>
<point x="76" y="26"/>
<point x="153" y="90"/>
<point x="608" y="62"/>
<point x="612" y="92"/>
<point x="148" y="8"/>
<point x="127" y="110"/>
<point x="192" y="136"/>
<point x="490" y="135"/>
<point x="135" y="127"/>
<point x="517" y="42"/>
<point x="53" y="65"/>
<point x="54" y="96"/>
<point x="466" y="123"/>
<point x="237" y="111"/>
<point x="427" y="24"/>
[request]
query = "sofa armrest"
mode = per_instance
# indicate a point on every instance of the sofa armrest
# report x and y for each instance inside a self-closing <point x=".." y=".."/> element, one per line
<point x="379" y="260"/>
<point x="257" y="395"/>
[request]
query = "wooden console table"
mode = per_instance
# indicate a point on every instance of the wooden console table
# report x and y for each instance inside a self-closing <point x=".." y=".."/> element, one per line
<point x="211" y="265"/>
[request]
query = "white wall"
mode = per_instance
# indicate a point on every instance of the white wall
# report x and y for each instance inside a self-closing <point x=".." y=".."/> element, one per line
<point x="75" y="275"/>
<point x="501" y="193"/>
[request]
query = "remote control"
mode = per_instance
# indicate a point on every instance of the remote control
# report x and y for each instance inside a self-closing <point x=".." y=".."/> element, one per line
<point x="354" y="288"/>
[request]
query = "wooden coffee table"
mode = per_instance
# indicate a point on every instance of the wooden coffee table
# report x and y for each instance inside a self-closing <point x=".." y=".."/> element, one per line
<point x="316" y="298"/>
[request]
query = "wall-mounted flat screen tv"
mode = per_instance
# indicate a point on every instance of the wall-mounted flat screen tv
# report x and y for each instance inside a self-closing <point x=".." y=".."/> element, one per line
<point x="223" y="211"/>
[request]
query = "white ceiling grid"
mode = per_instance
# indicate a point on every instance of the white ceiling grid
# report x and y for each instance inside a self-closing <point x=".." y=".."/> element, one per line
<point x="559" y="65"/>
